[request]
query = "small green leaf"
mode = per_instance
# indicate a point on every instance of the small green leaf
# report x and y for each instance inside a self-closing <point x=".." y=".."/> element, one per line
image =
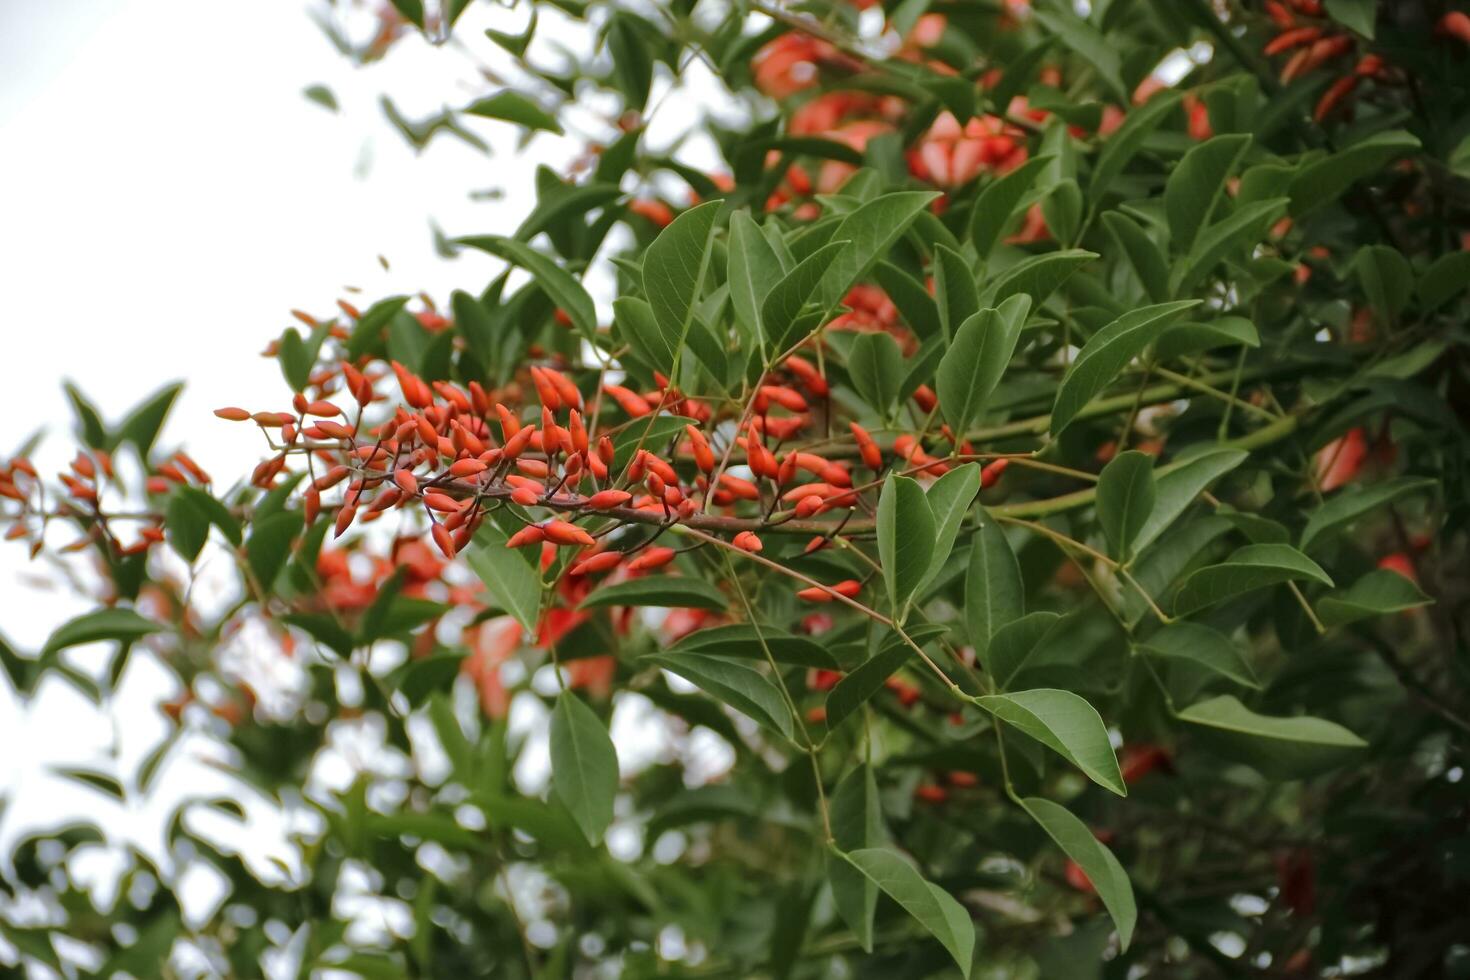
<point x="1359" y="15"/>
<point x="906" y="535"/>
<point x="104" y="624"/>
<point x="143" y="423"/>
<point x="514" y="107"/>
<point x="412" y="11"/>
<point x="857" y="824"/>
<point x="1346" y="507"/>
<point x="752" y="267"/>
<point x="1064" y="723"/>
<point x="743" y="688"/>
<point x="1179" y="484"/>
<point x="1252" y="567"/>
<point x="1123" y="145"/>
<point x="780" y="314"/>
<point x="188" y="527"/>
<point x="1143" y="252"/>
<point x="1125" y="499"/>
<point x="749" y="642"/>
<point x="1386" y="278"/>
<point x="675" y="267"/>
<point x="1288" y="746"/>
<point x="558" y="284"/>
<point x="955" y="291"/>
<point x="872" y="229"/>
<point x="511" y="576"/>
<point x="1197" y="184"/>
<point x="1325" y="180"/>
<point x="914" y="303"/>
<point x="1038" y="277"/>
<point x="994" y="592"/>
<point x="670" y="591"/>
<point x="933" y="907"/>
<point x="584" y="765"/>
<point x="1246" y="227"/>
<point x="875" y="365"/>
<point x="1378" y="593"/>
<point x="99" y="781"/>
<point x="998" y="203"/>
<point x="976" y="360"/>
<point x="1446" y="276"/>
<point x="1107" y="353"/>
<point x="269" y="545"/>
<point x="1207" y="647"/>
<point x="949" y="499"/>
<point x="1093" y="857"/>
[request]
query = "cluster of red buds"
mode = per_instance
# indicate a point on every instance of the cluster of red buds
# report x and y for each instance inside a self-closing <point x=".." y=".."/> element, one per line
<point x="1314" y="44"/>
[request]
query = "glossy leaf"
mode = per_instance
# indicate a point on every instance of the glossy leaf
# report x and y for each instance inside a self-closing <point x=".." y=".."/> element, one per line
<point x="1349" y="505"/>
<point x="1179" y="485"/>
<point x="1202" y="645"/>
<point x="1197" y="184"/>
<point x="994" y="592"/>
<point x="1064" y="723"/>
<point x="658" y="590"/>
<point x="975" y="361"/>
<point x="1254" y="566"/>
<point x="906" y="539"/>
<point x="1125" y="499"/>
<point x="743" y="688"/>
<point x="511" y="578"/>
<point x="1287" y="745"/>
<point x="875" y="365"/>
<point x="998" y="202"/>
<point x="1381" y="592"/>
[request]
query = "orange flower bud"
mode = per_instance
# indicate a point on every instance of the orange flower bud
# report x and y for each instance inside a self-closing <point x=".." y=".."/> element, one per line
<point x="655" y="557"/>
<point x="606" y="561"/>
<point x="530" y="534"/>
<point x="232" y="414"/>
<point x="443" y="539"/>
<point x="606" y="499"/>
<point x="704" y="458"/>
<point x="561" y="532"/>
<point x="747" y="541"/>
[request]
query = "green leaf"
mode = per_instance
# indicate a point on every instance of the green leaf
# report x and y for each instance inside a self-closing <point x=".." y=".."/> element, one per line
<point x="269" y="545"/>
<point x="743" y="688"/>
<point x="1064" y="723"/>
<point x="1378" y="593"/>
<point x="1287" y="746"/>
<point x="933" y="907"/>
<point x="299" y="356"/>
<point x="977" y="359"/>
<point x="875" y="365"/>
<point x="90" y="426"/>
<point x="104" y="624"/>
<point x="780" y="314"/>
<point x="994" y="592"/>
<point x="99" y="781"/>
<point x="1142" y="251"/>
<point x="511" y="576"/>
<point x="1125" y="499"/>
<point x="1359" y="15"/>
<point x="412" y="11"/>
<point x="1191" y="338"/>
<point x="998" y="202"/>
<point x="558" y="284"/>
<point x="1446" y="276"/>
<point x="857" y="824"/>
<point x="750" y="642"/>
<point x="674" y="269"/>
<point x="955" y="292"/>
<point x="514" y="107"/>
<point x="188" y="527"/>
<point x="1124" y="144"/>
<point x="1088" y="42"/>
<point x="1197" y="184"/>
<point x="143" y="423"/>
<point x="752" y="267"/>
<point x="1202" y="645"/>
<point x="323" y="629"/>
<point x="872" y="229"/>
<point x="1386" y="278"/>
<point x="906" y="542"/>
<point x="652" y="433"/>
<point x="865" y="680"/>
<point x="914" y="303"/>
<point x="674" y="592"/>
<point x="584" y="765"/>
<point x="637" y="325"/>
<point x="1093" y="857"/>
<point x="1015" y="642"/>
<point x="1325" y="180"/>
<point x="1252" y="567"/>
<point x="1179" y="484"/>
<point x="949" y="499"/>
<point x="1246" y="226"/>
<point x="1346" y="507"/>
<point x="1107" y="353"/>
<point x="1038" y="276"/>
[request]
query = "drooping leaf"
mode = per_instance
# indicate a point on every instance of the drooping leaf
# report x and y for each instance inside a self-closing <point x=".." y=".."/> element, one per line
<point x="994" y="592"/>
<point x="1079" y="843"/>
<point x="584" y="765"/>
<point x="1202" y="645"/>
<point x="1179" y="484"/>
<point x="1245" y="228"/>
<point x="955" y="291"/>
<point x="672" y="591"/>
<point x="933" y="907"/>
<point x="750" y="642"/>
<point x="1296" y="745"/>
<point x="511" y="106"/>
<point x="1106" y="353"/>
<point x="998" y="202"/>
<point x="857" y="824"/>
<point x="872" y="229"/>
<point x="1125" y="499"/>
<point x="1064" y="723"/>
<point x="974" y="363"/>
<point x="949" y="500"/>
<point x="1254" y="566"/>
<point x="753" y="267"/>
<point x="1378" y="593"/>
<point x="743" y="688"/>
<point x="1325" y="180"/>
<point x="1143" y="252"/>
<point x="906" y="539"/>
<point x="1346" y="507"/>
<point x="1038" y="277"/>
<point x="104" y="624"/>
<point x="784" y="300"/>
<point x="509" y="574"/>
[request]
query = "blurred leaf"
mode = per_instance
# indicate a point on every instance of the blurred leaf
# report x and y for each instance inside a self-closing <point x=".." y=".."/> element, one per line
<point x="584" y="765"/>
<point x="1096" y="861"/>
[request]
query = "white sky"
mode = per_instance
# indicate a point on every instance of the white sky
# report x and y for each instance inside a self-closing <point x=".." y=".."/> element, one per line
<point x="167" y="195"/>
